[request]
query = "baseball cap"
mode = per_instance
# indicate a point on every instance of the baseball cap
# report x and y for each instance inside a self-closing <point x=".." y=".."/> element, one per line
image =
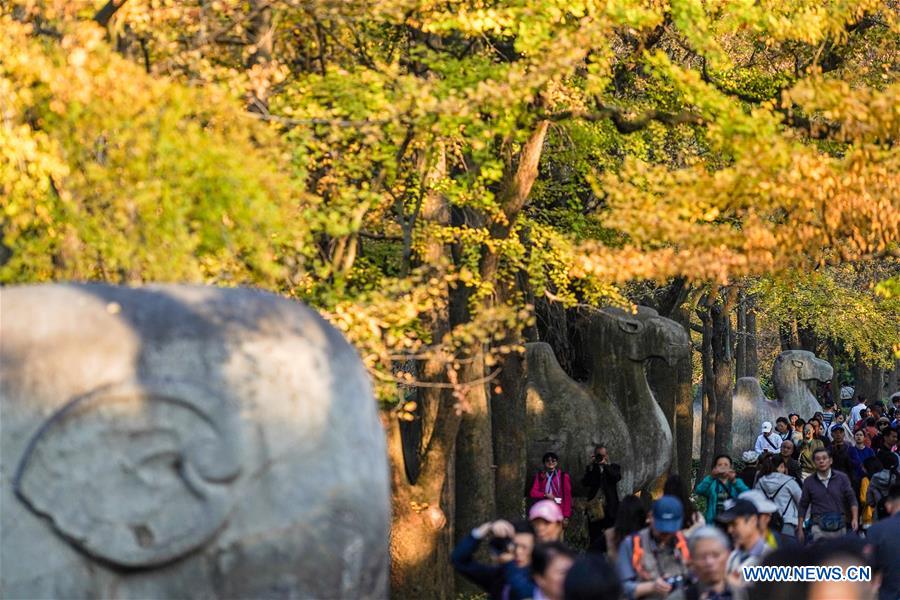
<point x="737" y="508"/>
<point x="750" y="456"/>
<point x="766" y="427"/>
<point x="836" y="426"/>
<point x="828" y="403"/>
<point x="668" y="514"/>
<point x="758" y="498"/>
<point x="547" y="510"/>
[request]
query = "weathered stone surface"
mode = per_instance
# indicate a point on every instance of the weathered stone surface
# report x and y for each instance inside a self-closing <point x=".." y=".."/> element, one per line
<point x="793" y="373"/>
<point x="621" y="343"/>
<point x="185" y="442"/>
<point x="750" y="408"/>
<point x="565" y="418"/>
<point x="616" y="407"/>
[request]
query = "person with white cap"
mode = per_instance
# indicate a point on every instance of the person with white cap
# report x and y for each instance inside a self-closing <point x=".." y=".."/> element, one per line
<point x="751" y="467"/>
<point x="768" y="441"/>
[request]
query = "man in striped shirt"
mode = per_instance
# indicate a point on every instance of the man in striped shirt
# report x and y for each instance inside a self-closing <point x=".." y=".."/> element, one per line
<point x="828" y="414"/>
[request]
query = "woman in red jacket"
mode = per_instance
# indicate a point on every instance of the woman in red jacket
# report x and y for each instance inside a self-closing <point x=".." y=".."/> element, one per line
<point x="554" y="484"/>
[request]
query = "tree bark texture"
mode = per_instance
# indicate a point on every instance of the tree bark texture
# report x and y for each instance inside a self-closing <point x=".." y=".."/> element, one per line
<point x="869" y="381"/>
<point x="684" y="405"/>
<point x="787" y="333"/>
<point x="746" y="358"/>
<point x="423" y="509"/>
<point x="508" y="416"/>
<point x="718" y="372"/>
<point x="708" y="412"/>
<point x="476" y="491"/>
<point x="260" y="36"/>
<point x="723" y="374"/>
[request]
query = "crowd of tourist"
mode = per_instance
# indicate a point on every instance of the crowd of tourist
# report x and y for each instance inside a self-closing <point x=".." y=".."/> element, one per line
<point x="829" y="485"/>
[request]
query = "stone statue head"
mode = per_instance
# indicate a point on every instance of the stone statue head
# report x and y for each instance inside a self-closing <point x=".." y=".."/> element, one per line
<point x="801" y="365"/>
<point x="185" y="441"/>
<point x="643" y="334"/>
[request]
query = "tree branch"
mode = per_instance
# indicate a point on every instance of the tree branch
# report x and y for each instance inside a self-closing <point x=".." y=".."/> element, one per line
<point x="625" y="123"/>
<point x="380" y="236"/>
<point x="103" y="16"/>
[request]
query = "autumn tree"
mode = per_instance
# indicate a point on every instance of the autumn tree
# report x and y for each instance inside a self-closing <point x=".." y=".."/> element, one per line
<point x="425" y="173"/>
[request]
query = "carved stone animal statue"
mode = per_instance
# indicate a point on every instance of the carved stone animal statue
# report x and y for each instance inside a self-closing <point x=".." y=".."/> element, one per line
<point x="185" y="442"/>
<point x="620" y="344"/>
<point x="793" y="373"/>
<point x="750" y="408"/>
<point x="564" y="417"/>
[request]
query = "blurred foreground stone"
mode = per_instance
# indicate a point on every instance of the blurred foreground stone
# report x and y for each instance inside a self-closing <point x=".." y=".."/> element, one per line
<point x="185" y="442"/>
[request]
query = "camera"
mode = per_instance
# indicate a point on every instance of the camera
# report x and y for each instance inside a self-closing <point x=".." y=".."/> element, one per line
<point x="676" y="581"/>
<point x="500" y="545"/>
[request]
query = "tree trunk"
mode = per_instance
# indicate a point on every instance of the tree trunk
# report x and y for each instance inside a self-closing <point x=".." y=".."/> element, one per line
<point x="787" y="333"/>
<point x="808" y="339"/>
<point x="740" y="350"/>
<point x="508" y="417"/>
<point x="260" y="36"/>
<point x="422" y="527"/>
<point x="684" y="405"/>
<point x="723" y="376"/>
<point x="475" y="481"/>
<point x="746" y="361"/>
<point x="708" y="412"/>
<point x="671" y="385"/>
<point x="751" y="356"/>
<point x="475" y="492"/>
<point x="893" y="379"/>
<point x="869" y="381"/>
<point x="420" y="531"/>
<point x="718" y="372"/>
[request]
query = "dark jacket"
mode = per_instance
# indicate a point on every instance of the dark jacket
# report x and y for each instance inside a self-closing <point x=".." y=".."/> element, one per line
<point x="793" y="469"/>
<point x="884" y="535"/>
<point x="840" y="459"/>
<point x="491" y="578"/>
<point x="604" y="477"/>
<point x="837" y="497"/>
<point x="748" y="475"/>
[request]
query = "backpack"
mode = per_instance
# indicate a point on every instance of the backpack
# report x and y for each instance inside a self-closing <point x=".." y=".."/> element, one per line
<point x="778" y="519"/>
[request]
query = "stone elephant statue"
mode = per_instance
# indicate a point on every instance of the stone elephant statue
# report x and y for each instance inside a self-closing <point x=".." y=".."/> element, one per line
<point x="185" y="442"/>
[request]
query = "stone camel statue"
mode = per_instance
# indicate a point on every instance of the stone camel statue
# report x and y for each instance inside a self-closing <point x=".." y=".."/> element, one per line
<point x="185" y="442"/>
<point x="565" y="418"/>
<point x="792" y="374"/>
<point x="621" y="344"/>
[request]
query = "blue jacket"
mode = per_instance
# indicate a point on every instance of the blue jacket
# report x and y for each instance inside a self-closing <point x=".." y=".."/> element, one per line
<point x="491" y="578"/>
<point x="710" y="490"/>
